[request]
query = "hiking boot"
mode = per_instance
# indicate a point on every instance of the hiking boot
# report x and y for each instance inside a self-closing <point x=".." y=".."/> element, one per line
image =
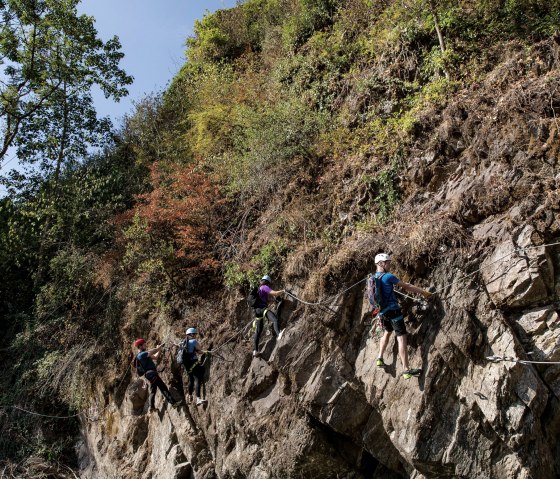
<point x="255" y="353"/>
<point x="200" y="401"/>
<point x="380" y="363"/>
<point x="411" y="372"/>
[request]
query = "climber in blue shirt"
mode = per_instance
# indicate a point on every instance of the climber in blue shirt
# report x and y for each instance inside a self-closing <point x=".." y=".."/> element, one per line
<point x="391" y="315"/>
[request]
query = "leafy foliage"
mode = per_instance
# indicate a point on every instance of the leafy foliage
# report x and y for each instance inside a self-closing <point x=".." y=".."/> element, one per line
<point x="53" y="57"/>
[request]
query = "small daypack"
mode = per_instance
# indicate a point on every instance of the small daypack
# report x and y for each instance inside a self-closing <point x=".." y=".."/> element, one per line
<point x="253" y="298"/>
<point x="183" y="354"/>
<point x="374" y="292"/>
<point x="139" y="368"/>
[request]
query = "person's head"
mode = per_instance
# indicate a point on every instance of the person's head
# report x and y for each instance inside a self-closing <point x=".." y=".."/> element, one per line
<point x="383" y="262"/>
<point x="140" y="344"/>
<point x="191" y="332"/>
<point x="266" y="279"/>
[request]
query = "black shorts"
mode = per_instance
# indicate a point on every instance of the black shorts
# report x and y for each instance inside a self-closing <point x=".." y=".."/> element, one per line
<point x="394" y="321"/>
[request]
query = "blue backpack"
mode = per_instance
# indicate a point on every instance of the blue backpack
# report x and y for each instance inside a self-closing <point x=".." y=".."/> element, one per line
<point x="374" y="292"/>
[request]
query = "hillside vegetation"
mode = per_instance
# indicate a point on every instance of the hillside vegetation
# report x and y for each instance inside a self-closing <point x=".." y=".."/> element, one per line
<point x="299" y="138"/>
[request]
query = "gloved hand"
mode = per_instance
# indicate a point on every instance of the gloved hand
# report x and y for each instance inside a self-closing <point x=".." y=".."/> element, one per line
<point x="427" y="294"/>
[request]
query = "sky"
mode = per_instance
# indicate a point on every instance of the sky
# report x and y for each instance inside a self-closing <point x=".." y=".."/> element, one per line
<point x="152" y="34"/>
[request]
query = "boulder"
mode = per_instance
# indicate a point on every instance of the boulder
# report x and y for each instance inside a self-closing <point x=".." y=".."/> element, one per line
<point x="515" y="277"/>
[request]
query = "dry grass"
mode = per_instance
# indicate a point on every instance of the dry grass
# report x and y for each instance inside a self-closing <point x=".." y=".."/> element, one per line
<point x="303" y="261"/>
<point x="35" y="468"/>
<point x="427" y="239"/>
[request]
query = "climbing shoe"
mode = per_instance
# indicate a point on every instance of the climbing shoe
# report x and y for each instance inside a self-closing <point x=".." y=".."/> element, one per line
<point x="380" y="363"/>
<point x="411" y="372"/>
<point x="255" y="353"/>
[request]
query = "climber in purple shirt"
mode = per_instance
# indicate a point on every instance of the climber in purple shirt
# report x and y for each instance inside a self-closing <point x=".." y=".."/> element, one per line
<point x="265" y="293"/>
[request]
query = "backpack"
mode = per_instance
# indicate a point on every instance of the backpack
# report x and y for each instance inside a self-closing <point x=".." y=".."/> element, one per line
<point x="253" y="298"/>
<point x="183" y="355"/>
<point x="139" y="368"/>
<point x="374" y="292"/>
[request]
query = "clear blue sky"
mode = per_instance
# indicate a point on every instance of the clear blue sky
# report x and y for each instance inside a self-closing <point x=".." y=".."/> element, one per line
<point x="152" y="34"/>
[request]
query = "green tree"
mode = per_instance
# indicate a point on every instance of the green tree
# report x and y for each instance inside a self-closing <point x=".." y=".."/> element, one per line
<point x="52" y="57"/>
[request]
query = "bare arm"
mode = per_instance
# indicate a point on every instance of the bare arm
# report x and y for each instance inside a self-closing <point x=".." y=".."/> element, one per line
<point x="154" y="353"/>
<point x="413" y="289"/>
<point x="277" y="293"/>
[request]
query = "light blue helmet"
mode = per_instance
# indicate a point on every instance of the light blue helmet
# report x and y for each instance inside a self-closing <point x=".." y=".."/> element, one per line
<point x="191" y="331"/>
<point x="266" y="278"/>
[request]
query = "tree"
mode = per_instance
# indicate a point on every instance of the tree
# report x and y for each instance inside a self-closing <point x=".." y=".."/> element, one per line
<point x="52" y="57"/>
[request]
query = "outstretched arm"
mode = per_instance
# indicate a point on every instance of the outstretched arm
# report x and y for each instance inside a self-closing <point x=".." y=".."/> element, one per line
<point x="413" y="289"/>
<point x="154" y="353"/>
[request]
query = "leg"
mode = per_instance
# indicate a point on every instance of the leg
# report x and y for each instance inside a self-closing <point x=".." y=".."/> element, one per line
<point x="274" y="320"/>
<point x="153" y="391"/>
<point x="403" y="352"/>
<point x="258" y="332"/>
<point x="387" y="330"/>
<point x="383" y="343"/>
<point x="191" y="383"/>
<point x="199" y="377"/>
<point x="163" y="388"/>
<point x="400" y="331"/>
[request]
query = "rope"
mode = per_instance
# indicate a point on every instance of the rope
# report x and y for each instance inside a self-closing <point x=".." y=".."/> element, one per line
<point x="233" y="337"/>
<point x="322" y="303"/>
<point x="42" y="415"/>
<point x="498" y="359"/>
<point x="416" y="300"/>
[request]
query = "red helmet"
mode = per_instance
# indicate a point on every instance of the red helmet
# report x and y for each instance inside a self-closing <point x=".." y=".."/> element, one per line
<point x="139" y="342"/>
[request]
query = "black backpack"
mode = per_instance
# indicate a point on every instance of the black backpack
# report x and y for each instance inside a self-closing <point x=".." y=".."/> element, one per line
<point x="183" y="356"/>
<point x="253" y="298"/>
<point x="139" y="368"/>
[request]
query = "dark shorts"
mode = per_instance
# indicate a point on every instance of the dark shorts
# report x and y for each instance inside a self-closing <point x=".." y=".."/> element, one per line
<point x="394" y="321"/>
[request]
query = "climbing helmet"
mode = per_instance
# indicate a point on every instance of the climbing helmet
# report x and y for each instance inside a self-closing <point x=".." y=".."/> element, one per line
<point x="382" y="257"/>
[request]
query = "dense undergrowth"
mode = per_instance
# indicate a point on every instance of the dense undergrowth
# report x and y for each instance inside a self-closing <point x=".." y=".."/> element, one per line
<point x="277" y="148"/>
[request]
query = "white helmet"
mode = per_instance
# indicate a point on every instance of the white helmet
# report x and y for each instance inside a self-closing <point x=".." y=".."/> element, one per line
<point x="266" y="278"/>
<point x="191" y="331"/>
<point x="382" y="257"/>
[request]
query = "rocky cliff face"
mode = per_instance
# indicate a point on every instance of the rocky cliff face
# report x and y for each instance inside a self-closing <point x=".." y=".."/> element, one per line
<point x="482" y="200"/>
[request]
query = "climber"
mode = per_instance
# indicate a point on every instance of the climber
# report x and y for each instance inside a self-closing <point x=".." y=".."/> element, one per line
<point x="391" y="315"/>
<point x="264" y="294"/>
<point x="186" y="355"/>
<point x="146" y="367"/>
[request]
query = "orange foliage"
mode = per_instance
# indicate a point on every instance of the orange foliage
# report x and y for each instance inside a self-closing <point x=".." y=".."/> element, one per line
<point x="182" y="209"/>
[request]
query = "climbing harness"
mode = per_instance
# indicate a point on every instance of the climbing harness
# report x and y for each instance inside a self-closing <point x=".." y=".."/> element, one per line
<point x="265" y="310"/>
